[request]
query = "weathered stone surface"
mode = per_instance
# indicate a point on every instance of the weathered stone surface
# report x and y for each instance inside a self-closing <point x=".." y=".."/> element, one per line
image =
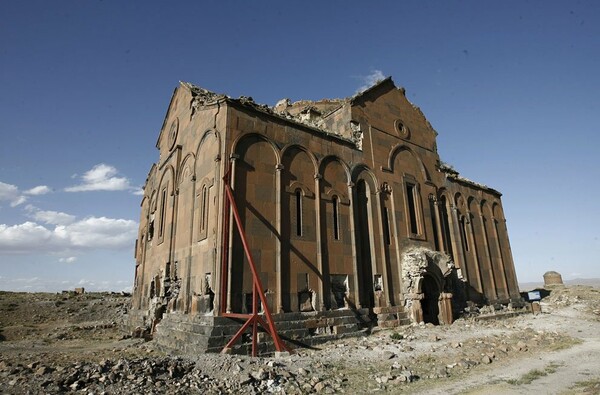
<point x="319" y="240"/>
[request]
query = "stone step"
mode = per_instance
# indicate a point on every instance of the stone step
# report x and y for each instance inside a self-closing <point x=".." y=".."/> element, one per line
<point x="181" y="333"/>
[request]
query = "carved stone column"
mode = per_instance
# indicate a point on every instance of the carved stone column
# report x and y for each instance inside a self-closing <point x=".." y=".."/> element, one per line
<point x="414" y="306"/>
<point x="503" y="276"/>
<point x="445" y="308"/>
<point x="384" y="189"/>
<point x="233" y="158"/>
<point x="279" y="191"/>
<point x="320" y="302"/>
<point x="458" y="248"/>
<point x="351" y="195"/>
<point x="492" y="286"/>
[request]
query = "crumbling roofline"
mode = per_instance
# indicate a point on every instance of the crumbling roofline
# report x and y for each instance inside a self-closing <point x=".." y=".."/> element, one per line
<point x="321" y="132"/>
<point x="211" y="98"/>
<point x="454" y="175"/>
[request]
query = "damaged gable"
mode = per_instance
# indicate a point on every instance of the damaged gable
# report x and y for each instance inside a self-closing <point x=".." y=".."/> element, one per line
<point x="385" y="109"/>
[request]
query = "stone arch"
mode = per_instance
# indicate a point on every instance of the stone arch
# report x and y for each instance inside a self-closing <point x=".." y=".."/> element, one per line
<point x="398" y="149"/>
<point x="204" y="203"/>
<point x="300" y="275"/>
<point x="367" y="238"/>
<point x="500" y="237"/>
<point x="482" y="232"/>
<point x="166" y="189"/>
<point x="491" y="252"/>
<point x="255" y="191"/>
<point x="326" y="161"/>
<point x="186" y="170"/>
<point x="252" y="135"/>
<point x="361" y="171"/>
<point x="205" y="137"/>
<point x="336" y="240"/>
<point x="407" y="186"/>
<point x="476" y="284"/>
<point x="497" y="211"/>
<point x="285" y="151"/>
<point x="427" y="277"/>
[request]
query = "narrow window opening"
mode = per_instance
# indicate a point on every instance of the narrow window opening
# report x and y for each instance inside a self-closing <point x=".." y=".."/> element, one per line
<point x="336" y="220"/>
<point x="203" y="214"/>
<point x="298" y="212"/>
<point x="434" y="224"/>
<point x="463" y="233"/>
<point x="412" y="208"/>
<point x="163" y="205"/>
<point x="151" y="228"/>
<point x="386" y="226"/>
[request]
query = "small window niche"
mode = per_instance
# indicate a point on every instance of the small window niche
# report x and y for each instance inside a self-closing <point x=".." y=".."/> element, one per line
<point x="339" y="290"/>
<point x="305" y="295"/>
<point x="378" y="283"/>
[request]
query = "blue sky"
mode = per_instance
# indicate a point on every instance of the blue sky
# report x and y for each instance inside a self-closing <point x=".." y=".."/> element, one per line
<point x="512" y="88"/>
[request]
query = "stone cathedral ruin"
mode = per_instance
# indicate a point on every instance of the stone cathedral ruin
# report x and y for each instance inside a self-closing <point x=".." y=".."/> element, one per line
<point x="352" y="219"/>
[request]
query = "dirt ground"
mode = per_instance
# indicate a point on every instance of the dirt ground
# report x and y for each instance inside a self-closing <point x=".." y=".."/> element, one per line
<point x="55" y="343"/>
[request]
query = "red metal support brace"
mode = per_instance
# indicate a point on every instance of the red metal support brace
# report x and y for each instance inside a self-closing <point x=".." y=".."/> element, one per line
<point x="253" y="319"/>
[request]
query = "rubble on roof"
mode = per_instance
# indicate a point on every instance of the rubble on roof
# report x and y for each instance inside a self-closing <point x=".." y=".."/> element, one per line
<point x="455" y="175"/>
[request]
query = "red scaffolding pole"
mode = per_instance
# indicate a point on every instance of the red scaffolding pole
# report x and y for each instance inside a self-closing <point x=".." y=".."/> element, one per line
<point x="253" y="319"/>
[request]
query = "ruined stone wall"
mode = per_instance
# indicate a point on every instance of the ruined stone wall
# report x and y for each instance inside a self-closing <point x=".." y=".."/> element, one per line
<point x="479" y="240"/>
<point x="331" y="205"/>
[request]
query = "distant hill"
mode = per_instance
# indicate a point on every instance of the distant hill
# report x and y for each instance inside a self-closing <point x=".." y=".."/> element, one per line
<point x="593" y="282"/>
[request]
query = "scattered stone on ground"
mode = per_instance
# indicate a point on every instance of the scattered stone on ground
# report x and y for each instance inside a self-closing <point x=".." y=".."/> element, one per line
<point x="52" y="343"/>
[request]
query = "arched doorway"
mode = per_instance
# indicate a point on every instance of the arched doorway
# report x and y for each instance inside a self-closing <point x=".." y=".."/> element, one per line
<point x="430" y="301"/>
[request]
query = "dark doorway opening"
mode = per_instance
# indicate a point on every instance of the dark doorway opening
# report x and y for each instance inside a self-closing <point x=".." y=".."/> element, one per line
<point x="430" y="301"/>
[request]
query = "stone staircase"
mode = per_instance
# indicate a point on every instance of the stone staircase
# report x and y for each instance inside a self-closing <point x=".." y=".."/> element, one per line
<point x="182" y="333"/>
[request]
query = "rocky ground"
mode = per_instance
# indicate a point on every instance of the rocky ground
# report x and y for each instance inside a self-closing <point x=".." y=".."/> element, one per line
<point x="53" y="343"/>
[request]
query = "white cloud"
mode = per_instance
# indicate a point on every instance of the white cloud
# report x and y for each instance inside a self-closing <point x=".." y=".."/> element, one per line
<point x="89" y="233"/>
<point x="39" y="190"/>
<point x="102" y="232"/>
<point x="101" y="177"/>
<point x="70" y="259"/>
<point x="10" y="193"/>
<point x="26" y="237"/>
<point x="139" y="192"/>
<point x="370" y="80"/>
<point x="37" y="284"/>
<point x="50" y="217"/>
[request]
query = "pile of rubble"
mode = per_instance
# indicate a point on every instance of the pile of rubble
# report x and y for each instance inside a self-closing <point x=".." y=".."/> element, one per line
<point x="95" y="357"/>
